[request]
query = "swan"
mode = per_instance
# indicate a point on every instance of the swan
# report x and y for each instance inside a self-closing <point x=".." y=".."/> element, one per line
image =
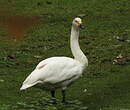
<point x="60" y="72"/>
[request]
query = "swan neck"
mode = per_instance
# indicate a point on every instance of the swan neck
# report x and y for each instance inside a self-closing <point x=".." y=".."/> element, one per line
<point x="75" y="48"/>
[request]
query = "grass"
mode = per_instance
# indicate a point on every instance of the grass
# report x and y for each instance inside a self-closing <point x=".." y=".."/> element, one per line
<point x="107" y="84"/>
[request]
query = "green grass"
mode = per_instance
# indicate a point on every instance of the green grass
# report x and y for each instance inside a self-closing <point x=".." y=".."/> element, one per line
<point x="107" y="84"/>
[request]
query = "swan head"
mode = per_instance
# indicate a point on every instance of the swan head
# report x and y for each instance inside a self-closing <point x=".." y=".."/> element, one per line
<point x="77" y="23"/>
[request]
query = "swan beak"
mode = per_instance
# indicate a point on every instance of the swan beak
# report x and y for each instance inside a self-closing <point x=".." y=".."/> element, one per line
<point x="81" y="26"/>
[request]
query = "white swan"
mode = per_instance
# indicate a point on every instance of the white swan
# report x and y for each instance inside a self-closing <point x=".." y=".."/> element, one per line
<point x="60" y="72"/>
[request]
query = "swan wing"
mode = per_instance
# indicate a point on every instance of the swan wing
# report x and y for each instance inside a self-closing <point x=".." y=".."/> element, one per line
<point x="53" y="70"/>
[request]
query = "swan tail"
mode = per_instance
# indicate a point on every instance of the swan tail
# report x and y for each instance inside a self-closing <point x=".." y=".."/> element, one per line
<point x="24" y="87"/>
<point x="30" y="81"/>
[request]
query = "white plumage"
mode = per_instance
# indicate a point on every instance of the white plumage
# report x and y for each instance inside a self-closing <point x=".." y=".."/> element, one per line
<point x="59" y="72"/>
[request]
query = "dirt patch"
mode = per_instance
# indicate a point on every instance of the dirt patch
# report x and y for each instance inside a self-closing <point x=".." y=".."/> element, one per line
<point x="17" y="25"/>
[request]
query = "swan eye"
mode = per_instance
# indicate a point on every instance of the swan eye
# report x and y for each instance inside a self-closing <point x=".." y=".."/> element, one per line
<point x="78" y="22"/>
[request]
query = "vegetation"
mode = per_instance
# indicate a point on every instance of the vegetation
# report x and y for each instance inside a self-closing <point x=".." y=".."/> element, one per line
<point x="104" y="85"/>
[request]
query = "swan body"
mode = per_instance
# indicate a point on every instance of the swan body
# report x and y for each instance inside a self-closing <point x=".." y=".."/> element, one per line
<point x="59" y="72"/>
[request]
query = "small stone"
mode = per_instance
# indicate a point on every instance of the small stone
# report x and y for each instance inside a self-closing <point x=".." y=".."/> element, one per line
<point x="1" y="80"/>
<point x="85" y="90"/>
<point x="127" y="40"/>
<point x="11" y="56"/>
<point x="82" y="15"/>
<point x="119" y="56"/>
<point x="36" y="56"/>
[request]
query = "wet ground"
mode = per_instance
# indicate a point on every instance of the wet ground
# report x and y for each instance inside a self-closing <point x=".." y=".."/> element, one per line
<point x="16" y="26"/>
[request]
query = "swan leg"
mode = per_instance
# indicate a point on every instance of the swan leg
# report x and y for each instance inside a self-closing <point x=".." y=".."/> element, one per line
<point x="53" y="94"/>
<point x="53" y="97"/>
<point x="63" y="96"/>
